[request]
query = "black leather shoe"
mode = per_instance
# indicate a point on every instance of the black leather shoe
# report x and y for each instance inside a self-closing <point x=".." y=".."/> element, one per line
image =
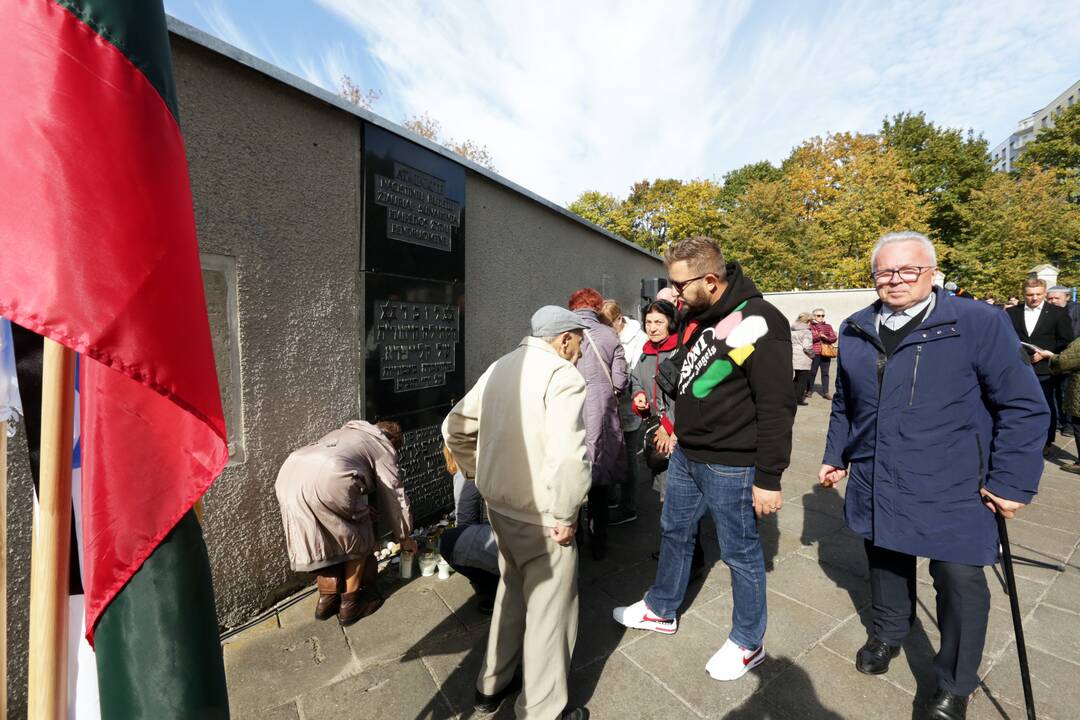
<point x="578" y="713"/>
<point x="874" y="657"/>
<point x="488" y="704"/>
<point x="946" y="706"/>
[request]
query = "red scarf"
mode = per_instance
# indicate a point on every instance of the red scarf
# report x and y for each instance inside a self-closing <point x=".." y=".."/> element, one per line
<point x="651" y="348"/>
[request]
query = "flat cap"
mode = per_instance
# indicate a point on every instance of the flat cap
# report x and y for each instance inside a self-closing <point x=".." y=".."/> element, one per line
<point x="552" y="320"/>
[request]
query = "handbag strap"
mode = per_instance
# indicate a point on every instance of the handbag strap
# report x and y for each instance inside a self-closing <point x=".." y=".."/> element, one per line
<point x="603" y="364"/>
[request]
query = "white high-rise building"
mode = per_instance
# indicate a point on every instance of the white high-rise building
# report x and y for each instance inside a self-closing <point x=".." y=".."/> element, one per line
<point x="1005" y="153"/>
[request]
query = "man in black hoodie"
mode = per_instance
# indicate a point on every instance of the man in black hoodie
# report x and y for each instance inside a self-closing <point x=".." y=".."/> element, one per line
<point x="733" y="415"/>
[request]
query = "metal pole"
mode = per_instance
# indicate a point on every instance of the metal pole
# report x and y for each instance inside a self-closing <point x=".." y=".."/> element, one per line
<point x="1014" y="604"/>
<point x="51" y="546"/>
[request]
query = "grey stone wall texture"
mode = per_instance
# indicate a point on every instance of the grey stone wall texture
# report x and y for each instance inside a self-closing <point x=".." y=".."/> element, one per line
<point x="276" y="180"/>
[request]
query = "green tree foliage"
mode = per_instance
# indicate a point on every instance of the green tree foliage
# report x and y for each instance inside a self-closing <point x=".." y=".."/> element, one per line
<point x="1014" y="224"/>
<point x="946" y="165"/>
<point x="1057" y="148"/>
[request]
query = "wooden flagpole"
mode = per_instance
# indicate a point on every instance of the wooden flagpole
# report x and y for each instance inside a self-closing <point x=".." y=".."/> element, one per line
<point x="3" y="569"/>
<point x="51" y="546"/>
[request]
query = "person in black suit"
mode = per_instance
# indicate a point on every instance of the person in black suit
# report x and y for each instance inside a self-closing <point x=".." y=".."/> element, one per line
<point x="1049" y="329"/>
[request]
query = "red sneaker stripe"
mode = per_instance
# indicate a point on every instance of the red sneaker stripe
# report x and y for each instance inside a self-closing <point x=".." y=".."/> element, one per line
<point x="749" y="659"/>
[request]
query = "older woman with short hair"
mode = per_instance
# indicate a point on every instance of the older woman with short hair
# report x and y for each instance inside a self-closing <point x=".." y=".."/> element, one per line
<point x="323" y="491"/>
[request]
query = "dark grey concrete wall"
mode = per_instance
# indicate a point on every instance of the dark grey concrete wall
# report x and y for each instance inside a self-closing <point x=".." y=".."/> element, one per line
<point x="20" y="506"/>
<point x="520" y="255"/>
<point x="275" y="176"/>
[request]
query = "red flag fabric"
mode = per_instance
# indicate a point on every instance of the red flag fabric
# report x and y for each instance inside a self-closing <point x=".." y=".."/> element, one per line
<point x="98" y="252"/>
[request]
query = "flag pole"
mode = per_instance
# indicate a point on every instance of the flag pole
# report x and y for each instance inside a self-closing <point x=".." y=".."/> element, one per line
<point x="3" y="568"/>
<point x="51" y="546"/>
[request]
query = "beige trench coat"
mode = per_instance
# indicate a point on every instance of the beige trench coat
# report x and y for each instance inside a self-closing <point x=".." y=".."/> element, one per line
<point x="322" y="489"/>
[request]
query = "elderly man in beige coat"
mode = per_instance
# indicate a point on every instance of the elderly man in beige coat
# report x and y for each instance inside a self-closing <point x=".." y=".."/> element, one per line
<point x="520" y="433"/>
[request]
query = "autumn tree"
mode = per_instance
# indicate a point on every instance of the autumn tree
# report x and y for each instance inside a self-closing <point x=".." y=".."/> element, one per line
<point x="602" y="209"/>
<point x="947" y="165"/>
<point x="423" y="125"/>
<point x="428" y="127"/>
<point x="1015" y="223"/>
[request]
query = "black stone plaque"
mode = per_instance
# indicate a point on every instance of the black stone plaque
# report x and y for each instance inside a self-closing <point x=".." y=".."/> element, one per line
<point x="412" y="272"/>
<point x="414" y="344"/>
<point x="414" y="211"/>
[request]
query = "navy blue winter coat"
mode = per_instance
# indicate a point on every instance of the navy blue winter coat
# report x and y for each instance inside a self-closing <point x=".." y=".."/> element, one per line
<point x="955" y="407"/>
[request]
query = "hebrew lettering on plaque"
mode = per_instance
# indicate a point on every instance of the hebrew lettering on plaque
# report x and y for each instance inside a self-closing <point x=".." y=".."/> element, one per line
<point x="417" y="208"/>
<point x="417" y="343"/>
<point x="423" y="470"/>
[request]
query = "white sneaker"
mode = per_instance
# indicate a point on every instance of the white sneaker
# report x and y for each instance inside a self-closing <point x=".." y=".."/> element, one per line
<point x="640" y="617"/>
<point x="731" y="661"/>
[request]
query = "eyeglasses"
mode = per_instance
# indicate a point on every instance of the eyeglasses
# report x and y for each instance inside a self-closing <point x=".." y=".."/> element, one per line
<point x="907" y="273"/>
<point x="820" y="315"/>
<point x="681" y="285"/>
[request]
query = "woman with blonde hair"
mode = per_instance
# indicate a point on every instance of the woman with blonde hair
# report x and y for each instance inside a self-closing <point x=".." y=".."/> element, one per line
<point x="802" y="355"/>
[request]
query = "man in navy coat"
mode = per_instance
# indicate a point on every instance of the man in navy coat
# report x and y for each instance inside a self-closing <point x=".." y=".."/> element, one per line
<point x="938" y="422"/>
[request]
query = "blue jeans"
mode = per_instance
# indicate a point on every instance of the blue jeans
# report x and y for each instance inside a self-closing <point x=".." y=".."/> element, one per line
<point x="693" y="488"/>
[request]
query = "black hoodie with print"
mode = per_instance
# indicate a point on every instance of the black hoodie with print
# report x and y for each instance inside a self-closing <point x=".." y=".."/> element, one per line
<point x="735" y="405"/>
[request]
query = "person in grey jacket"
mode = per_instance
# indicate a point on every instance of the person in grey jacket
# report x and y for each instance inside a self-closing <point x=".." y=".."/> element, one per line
<point x="603" y="365"/>
<point x="802" y="354"/>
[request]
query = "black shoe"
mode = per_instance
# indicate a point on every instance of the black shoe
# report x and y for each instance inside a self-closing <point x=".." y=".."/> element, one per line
<point x="622" y="519"/>
<point x="1048" y="450"/>
<point x="946" y="706"/>
<point x="488" y="704"/>
<point x="1072" y="468"/>
<point x="803" y="402"/>
<point x="874" y="657"/>
<point x="578" y="713"/>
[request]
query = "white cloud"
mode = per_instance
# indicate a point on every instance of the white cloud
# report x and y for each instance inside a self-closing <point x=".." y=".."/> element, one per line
<point x="223" y="25"/>
<point x="571" y="96"/>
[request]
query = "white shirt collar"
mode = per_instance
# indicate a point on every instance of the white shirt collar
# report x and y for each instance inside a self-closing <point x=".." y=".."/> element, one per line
<point x="900" y="317"/>
<point x="1035" y="309"/>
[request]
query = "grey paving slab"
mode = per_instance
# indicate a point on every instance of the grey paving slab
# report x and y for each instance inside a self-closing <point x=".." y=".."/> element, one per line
<point x="793" y="627"/>
<point x="1050" y="516"/>
<point x="458" y="595"/>
<point x="827" y="588"/>
<point x="392" y="691"/>
<point x="1054" y="631"/>
<point x="984" y="706"/>
<point x="1047" y="544"/>
<point x="288" y="711"/>
<point x="598" y="634"/>
<point x="756" y="707"/>
<point x="842" y="549"/>
<point x="454" y="662"/>
<point x="1065" y="591"/>
<point x="270" y="669"/>
<point x="1029" y="591"/>
<point x="620" y="689"/>
<point x="678" y="661"/>
<point x="824" y="686"/>
<point x="1053" y="680"/>
<point x="401" y="627"/>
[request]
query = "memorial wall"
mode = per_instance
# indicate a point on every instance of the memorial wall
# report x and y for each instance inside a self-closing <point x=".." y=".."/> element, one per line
<point x="338" y="252"/>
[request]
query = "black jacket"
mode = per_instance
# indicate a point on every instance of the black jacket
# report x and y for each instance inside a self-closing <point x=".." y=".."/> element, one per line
<point x="1052" y="332"/>
<point x="735" y="405"/>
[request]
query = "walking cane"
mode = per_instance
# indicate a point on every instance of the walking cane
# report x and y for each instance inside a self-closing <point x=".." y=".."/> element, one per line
<point x="1014" y="603"/>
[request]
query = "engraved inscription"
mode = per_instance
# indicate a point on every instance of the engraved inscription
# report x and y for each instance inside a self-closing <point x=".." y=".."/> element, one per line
<point x="423" y="470"/>
<point x="417" y="208"/>
<point x="417" y="343"/>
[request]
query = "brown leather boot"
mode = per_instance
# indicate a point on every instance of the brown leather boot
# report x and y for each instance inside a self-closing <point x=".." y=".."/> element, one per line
<point x="330" y="587"/>
<point x="358" y="605"/>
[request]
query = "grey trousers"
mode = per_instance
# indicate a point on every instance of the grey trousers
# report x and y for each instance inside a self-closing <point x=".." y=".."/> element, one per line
<point x="535" y="621"/>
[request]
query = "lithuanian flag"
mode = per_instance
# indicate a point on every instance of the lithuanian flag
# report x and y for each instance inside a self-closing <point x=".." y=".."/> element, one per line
<point x="98" y="252"/>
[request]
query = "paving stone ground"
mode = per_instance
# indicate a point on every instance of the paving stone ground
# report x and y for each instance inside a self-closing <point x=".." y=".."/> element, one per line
<point x="417" y="658"/>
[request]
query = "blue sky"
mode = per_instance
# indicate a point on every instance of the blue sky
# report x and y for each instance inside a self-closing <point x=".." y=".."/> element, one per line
<point x="570" y="96"/>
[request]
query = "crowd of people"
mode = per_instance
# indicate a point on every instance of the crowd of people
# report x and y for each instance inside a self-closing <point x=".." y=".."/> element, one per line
<point x="942" y="410"/>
